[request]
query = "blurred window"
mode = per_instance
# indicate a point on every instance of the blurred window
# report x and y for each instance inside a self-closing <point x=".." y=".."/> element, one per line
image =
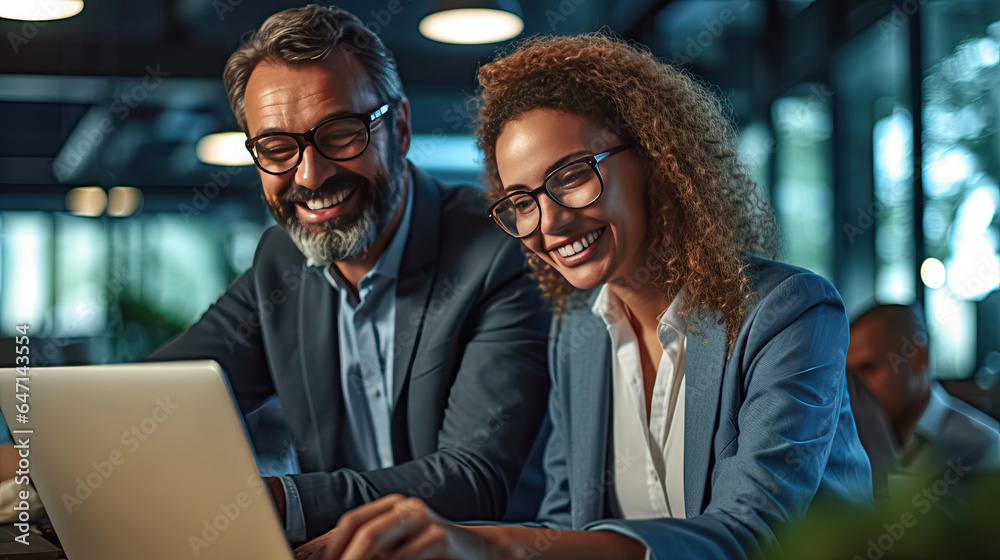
<point x="892" y="142"/>
<point x="961" y="170"/>
<point x="83" y="291"/>
<point x="803" y="195"/>
<point x="25" y="272"/>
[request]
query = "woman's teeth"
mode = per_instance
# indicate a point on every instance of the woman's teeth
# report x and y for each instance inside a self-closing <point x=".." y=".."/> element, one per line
<point x="571" y="249"/>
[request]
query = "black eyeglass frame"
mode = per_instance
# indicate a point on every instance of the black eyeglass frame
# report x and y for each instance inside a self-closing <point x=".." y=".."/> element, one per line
<point x="309" y="138"/>
<point x="591" y="160"/>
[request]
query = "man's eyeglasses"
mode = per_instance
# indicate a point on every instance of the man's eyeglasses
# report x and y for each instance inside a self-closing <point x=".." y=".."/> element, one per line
<point x="338" y="139"/>
<point x="574" y="185"/>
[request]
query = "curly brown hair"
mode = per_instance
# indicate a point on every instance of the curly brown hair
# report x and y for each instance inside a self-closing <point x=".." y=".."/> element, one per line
<point x="703" y="206"/>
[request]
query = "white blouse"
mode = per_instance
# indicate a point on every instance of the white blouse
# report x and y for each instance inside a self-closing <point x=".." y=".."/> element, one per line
<point x="649" y="457"/>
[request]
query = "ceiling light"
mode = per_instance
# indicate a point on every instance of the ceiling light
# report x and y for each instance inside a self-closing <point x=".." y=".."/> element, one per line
<point x="933" y="273"/>
<point x="86" y="201"/>
<point x="39" y="10"/>
<point x="224" y="148"/>
<point x="472" y="22"/>
<point x="123" y="201"/>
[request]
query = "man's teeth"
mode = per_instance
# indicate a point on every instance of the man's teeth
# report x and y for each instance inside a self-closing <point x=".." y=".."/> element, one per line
<point x="321" y="203"/>
<point x="573" y="248"/>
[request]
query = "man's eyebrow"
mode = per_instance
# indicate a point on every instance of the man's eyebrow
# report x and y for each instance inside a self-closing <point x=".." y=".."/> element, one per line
<point x="555" y="165"/>
<point x="335" y="114"/>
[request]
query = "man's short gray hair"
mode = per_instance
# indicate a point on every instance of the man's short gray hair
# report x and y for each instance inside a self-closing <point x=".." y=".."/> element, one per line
<point x="310" y="34"/>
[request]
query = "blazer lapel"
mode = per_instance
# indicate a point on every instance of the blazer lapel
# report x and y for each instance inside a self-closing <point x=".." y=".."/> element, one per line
<point x="416" y="276"/>
<point x="319" y="354"/>
<point x="589" y="377"/>
<point x="704" y="367"/>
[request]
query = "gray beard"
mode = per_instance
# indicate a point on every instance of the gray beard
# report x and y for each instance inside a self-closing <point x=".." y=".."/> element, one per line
<point x="348" y="237"/>
<point x="344" y="240"/>
<point x="331" y="245"/>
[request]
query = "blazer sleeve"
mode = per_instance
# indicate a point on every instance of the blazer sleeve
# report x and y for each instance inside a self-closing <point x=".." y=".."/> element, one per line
<point x="229" y="333"/>
<point x="494" y="409"/>
<point x="555" y="511"/>
<point x="792" y="362"/>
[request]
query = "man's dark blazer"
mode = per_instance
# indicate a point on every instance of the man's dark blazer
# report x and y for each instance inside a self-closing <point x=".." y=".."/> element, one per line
<point x="469" y="370"/>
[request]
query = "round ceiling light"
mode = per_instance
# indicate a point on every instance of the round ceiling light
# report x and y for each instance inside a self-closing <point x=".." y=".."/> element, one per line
<point x="39" y="10"/>
<point x="224" y="148"/>
<point x="933" y="273"/>
<point x="471" y="26"/>
<point x="123" y="201"/>
<point x="86" y="201"/>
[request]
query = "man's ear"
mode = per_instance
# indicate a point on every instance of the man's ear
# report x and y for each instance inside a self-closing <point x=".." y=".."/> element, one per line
<point x="403" y="126"/>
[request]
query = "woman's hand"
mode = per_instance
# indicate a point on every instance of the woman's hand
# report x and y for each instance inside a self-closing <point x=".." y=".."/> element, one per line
<point x="400" y="528"/>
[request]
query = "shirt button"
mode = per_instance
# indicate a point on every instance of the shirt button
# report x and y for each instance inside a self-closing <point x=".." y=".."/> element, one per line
<point x="386" y="453"/>
<point x="374" y="391"/>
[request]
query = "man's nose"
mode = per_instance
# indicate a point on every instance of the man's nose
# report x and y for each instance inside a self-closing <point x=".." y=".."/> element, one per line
<point x="314" y="169"/>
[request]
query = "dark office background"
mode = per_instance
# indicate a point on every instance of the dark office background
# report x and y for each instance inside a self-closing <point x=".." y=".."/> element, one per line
<point x="870" y="125"/>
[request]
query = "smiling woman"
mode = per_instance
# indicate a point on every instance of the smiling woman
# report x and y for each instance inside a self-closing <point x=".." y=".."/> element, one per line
<point x="536" y="148"/>
<point x="703" y="207"/>
<point x="712" y="375"/>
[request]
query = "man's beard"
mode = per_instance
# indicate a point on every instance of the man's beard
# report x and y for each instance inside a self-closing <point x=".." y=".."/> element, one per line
<point x="346" y="236"/>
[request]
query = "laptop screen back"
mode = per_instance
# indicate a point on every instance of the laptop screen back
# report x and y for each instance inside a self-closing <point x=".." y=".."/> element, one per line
<point x="144" y="461"/>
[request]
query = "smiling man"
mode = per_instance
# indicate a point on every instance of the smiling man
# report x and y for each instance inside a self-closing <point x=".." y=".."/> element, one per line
<point x="395" y="324"/>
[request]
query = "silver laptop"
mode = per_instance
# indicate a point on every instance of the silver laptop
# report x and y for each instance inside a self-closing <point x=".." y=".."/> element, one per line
<point x="143" y="461"/>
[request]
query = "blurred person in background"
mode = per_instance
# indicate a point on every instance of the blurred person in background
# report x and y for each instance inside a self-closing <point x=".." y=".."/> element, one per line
<point x="874" y="431"/>
<point x="935" y="434"/>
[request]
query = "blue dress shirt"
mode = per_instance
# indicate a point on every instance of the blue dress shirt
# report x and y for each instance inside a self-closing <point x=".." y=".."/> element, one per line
<point x="366" y="326"/>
